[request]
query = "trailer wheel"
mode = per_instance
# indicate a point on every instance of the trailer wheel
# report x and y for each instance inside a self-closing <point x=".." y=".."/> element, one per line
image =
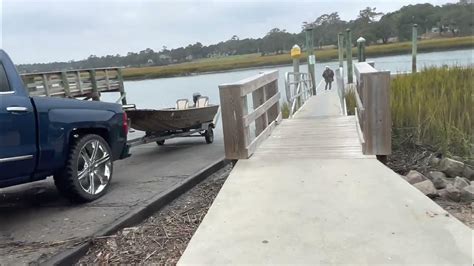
<point x="88" y="171"/>
<point x="209" y="135"/>
<point x="160" y="142"/>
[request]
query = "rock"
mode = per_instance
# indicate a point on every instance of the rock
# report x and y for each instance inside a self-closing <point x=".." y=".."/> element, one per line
<point x="451" y="167"/>
<point x="427" y="188"/>
<point x="460" y="182"/>
<point x="436" y="174"/>
<point x="414" y="177"/>
<point x="439" y="182"/>
<point x="453" y="193"/>
<point x="443" y="193"/>
<point x="438" y="178"/>
<point x="468" y="172"/>
<point x="467" y="193"/>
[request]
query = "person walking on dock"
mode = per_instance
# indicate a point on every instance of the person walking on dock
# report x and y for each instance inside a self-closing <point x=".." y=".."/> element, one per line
<point x="328" y="76"/>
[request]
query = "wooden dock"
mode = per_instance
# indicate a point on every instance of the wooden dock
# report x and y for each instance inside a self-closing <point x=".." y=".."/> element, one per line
<point x="310" y="194"/>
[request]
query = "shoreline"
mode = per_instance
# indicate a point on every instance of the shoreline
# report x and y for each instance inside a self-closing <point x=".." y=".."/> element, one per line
<point x="211" y="67"/>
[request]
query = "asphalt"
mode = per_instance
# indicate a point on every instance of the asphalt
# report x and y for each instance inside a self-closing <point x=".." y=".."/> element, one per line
<point x="37" y="224"/>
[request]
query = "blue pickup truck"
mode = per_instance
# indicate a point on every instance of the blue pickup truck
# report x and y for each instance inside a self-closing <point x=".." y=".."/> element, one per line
<point x="75" y="141"/>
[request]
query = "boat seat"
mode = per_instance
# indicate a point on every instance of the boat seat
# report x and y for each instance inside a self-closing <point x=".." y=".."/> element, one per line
<point x="202" y="101"/>
<point x="182" y="104"/>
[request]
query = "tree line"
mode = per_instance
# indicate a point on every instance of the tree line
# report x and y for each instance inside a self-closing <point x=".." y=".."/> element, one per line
<point x="453" y="19"/>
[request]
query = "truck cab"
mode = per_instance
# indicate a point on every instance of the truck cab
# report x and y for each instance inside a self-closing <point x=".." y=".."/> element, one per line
<point x="75" y="141"/>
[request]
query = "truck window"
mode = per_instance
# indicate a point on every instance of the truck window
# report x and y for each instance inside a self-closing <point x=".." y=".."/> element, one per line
<point x="4" y="85"/>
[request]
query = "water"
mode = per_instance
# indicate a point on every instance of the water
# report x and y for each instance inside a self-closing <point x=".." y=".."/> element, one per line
<point x="163" y="93"/>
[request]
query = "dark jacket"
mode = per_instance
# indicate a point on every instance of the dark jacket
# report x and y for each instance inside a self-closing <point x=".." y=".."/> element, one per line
<point x="328" y="75"/>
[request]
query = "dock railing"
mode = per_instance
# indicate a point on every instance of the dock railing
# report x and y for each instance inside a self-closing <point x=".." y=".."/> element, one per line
<point x="236" y="119"/>
<point x="372" y="95"/>
<point x="81" y="83"/>
<point x="298" y="89"/>
<point x="341" y="90"/>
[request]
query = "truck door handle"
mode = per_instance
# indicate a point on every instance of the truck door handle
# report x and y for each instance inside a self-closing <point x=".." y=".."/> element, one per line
<point x="17" y="109"/>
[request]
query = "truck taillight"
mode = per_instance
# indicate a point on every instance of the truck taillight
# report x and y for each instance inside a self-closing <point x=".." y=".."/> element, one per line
<point x="125" y="123"/>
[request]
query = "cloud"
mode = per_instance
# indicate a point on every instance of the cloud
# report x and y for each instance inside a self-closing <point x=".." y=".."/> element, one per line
<point x="58" y="30"/>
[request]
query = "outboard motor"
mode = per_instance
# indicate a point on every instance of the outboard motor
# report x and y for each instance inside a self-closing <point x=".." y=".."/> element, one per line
<point x="196" y="96"/>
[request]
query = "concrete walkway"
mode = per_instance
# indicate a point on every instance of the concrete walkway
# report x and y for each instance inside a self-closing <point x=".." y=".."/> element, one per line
<point x="324" y="203"/>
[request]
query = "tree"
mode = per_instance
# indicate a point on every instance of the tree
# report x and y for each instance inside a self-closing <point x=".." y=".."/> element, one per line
<point x="369" y="14"/>
<point x="385" y="28"/>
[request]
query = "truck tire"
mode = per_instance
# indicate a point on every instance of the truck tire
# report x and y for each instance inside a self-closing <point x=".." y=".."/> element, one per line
<point x="88" y="170"/>
<point x="160" y="142"/>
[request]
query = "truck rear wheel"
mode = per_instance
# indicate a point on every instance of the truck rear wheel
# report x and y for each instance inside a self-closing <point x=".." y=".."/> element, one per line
<point x="88" y="171"/>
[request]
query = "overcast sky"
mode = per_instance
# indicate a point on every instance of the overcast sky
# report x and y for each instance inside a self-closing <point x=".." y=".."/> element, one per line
<point x="62" y="30"/>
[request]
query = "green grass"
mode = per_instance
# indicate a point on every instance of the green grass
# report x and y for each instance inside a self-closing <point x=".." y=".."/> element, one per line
<point x="433" y="107"/>
<point x="255" y="60"/>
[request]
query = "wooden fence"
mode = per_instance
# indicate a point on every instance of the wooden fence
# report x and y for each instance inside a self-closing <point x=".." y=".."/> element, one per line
<point x="236" y="119"/>
<point x="87" y="83"/>
<point x="372" y="93"/>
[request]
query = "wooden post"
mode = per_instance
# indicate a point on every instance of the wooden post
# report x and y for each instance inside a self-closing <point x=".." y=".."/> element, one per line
<point x="311" y="58"/>
<point x="340" y="48"/>
<point x="296" y="54"/>
<point x="361" y="49"/>
<point x="236" y="135"/>
<point x="349" y="56"/>
<point x="45" y="84"/>
<point x="376" y="123"/>
<point x="65" y="82"/>
<point x="414" y="41"/>
<point x="79" y="81"/>
<point x="121" y="86"/>
<point x="95" y="92"/>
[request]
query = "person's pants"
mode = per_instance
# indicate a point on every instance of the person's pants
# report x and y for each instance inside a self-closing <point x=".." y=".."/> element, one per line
<point x="328" y="83"/>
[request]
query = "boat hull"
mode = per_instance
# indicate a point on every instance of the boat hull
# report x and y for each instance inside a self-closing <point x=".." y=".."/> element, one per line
<point x="164" y="120"/>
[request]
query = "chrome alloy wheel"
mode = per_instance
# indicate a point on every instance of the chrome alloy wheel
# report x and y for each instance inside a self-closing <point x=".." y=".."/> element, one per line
<point x="94" y="167"/>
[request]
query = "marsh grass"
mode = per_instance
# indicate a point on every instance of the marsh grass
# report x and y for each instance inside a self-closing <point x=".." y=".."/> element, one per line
<point x="255" y="60"/>
<point x="285" y="110"/>
<point x="350" y="102"/>
<point x="435" y="107"/>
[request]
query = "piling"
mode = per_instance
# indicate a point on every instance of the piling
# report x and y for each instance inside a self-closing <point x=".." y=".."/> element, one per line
<point x="311" y="58"/>
<point x="361" y="49"/>
<point x="296" y="54"/>
<point x="349" y="55"/>
<point x="414" y="41"/>
<point x="340" y="48"/>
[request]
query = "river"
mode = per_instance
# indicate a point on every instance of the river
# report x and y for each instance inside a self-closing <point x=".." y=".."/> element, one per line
<point x="163" y="92"/>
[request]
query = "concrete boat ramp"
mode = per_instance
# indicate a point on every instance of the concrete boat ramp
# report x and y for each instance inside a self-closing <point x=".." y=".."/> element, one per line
<point x="309" y="196"/>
